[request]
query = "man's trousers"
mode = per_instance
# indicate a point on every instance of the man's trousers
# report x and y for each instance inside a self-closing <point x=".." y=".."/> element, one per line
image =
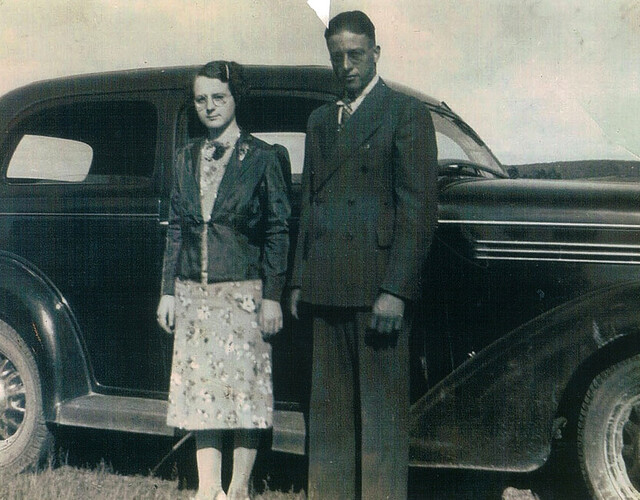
<point x="359" y="409"/>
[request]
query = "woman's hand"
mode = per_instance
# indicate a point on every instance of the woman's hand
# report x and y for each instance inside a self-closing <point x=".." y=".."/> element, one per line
<point x="270" y="318"/>
<point x="166" y="313"/>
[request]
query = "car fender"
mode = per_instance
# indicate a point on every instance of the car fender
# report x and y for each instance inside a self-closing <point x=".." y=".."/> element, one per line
<point x="32" y="305"/>
<point x="496" y="411"/>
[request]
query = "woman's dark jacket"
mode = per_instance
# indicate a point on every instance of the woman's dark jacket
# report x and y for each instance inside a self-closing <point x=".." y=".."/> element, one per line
<point x="248" y="234"/>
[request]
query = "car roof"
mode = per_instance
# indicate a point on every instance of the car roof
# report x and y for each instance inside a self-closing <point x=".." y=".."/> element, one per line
<point x="290" y="78"/>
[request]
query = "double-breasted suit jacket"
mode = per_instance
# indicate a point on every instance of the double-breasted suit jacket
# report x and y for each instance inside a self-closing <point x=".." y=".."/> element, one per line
<point x="368" y="201"/>
<point x="248" y="232"/>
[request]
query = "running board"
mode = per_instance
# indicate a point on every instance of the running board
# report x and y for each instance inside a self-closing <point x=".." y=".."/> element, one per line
<point x="148" y="416"/>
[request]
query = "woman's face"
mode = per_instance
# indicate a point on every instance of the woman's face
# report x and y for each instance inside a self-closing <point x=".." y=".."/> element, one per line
<point x="214" y="103"/>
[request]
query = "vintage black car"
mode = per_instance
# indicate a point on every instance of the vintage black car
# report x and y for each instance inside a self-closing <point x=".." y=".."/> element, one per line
<point x="528" y="331"/>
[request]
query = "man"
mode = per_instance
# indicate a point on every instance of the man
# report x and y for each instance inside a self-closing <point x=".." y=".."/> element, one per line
<point x="367" y="219"/>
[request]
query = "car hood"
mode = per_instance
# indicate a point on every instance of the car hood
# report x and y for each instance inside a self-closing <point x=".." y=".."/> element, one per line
<point x="541" y="201"/>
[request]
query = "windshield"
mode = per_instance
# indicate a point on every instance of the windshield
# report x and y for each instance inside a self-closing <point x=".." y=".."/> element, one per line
<point x="457" y="141"/>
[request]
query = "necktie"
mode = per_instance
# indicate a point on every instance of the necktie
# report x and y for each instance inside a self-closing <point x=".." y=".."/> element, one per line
<point x="345" y="112"/>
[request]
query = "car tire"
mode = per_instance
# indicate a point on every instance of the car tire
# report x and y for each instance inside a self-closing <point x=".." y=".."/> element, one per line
<point x="25" y="440"/>
<point x="609" y="432"/>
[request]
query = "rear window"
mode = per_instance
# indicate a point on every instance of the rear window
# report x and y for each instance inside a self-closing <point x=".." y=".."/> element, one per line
<point x="89" y="142"/>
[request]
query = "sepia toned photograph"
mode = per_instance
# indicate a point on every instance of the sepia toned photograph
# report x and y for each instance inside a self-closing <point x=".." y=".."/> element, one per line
<point x="323" y="249"/>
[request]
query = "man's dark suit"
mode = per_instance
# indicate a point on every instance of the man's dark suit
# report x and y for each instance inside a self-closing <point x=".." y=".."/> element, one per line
<point x="367" y="219"/>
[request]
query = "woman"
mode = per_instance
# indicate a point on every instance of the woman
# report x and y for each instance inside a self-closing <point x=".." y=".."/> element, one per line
<point x="224" y="270"/>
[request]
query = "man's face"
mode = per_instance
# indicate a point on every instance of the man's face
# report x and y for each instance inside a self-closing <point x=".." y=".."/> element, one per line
<point x="354" y="59"/>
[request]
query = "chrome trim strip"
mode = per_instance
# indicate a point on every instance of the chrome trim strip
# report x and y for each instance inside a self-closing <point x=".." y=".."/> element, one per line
<point x="73" y="214"/>
<point x="546" y="224"/>
<point x="553" y="243"/>
<point x="559" y="251"/>
<point x="542" y="259"/>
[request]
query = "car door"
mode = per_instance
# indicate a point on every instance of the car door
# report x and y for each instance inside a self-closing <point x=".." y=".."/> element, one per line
<point x="79" y="199"/>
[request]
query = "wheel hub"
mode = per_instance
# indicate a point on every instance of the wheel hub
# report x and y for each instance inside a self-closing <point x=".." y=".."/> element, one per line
<point x="631" y="445"/>
<point x="12" y="399"/>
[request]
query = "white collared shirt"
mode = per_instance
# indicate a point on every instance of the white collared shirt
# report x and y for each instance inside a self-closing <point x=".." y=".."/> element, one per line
<point x="353" y="105"/>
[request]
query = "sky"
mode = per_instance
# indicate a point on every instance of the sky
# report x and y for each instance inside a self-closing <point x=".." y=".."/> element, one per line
<point x="539" y="80"/>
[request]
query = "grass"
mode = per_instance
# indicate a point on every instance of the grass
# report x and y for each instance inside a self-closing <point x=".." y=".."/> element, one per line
<point x="99" y="483"/>
<point x="102" y="483"/>
<point x="106" y="465"/>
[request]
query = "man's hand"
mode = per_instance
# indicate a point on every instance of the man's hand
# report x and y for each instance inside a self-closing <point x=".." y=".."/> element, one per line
<point x="386" y="316"/>
<point x="270" y="318"/>
<point x="166" y="313"/>
<point x="294" y="302"/>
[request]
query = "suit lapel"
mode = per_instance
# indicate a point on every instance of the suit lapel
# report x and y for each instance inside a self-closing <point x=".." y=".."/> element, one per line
<point x="339" y="145"/>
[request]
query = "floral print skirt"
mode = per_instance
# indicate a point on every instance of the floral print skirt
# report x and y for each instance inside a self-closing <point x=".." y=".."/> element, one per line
<point x="221" y="369"/>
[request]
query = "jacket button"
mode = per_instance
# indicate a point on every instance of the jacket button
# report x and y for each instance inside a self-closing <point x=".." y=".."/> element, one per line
<point x="351" y="202"/>
<point x="367" y="146"/>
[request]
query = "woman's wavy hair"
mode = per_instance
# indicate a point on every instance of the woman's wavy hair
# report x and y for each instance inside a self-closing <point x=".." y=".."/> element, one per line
<point x="226" y="71"/>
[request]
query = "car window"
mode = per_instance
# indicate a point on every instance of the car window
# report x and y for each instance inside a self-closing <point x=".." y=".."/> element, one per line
<point x="456" y="141"/>
<point x="293" y="141"/>
<point x="448" y="148"/>
<point x="50" y="158"/>
<point x="85" y="142"/>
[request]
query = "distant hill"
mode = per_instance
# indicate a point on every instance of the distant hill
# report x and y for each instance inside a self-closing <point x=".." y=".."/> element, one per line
<point x="583" y="169"/>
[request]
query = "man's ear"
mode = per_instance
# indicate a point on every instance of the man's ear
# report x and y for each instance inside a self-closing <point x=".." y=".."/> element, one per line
<point x="376" y="53"/>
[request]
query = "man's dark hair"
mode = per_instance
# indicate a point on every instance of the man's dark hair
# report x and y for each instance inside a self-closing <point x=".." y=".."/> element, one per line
<point x="227" y="72"/>
<point x="354" y="21"/>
